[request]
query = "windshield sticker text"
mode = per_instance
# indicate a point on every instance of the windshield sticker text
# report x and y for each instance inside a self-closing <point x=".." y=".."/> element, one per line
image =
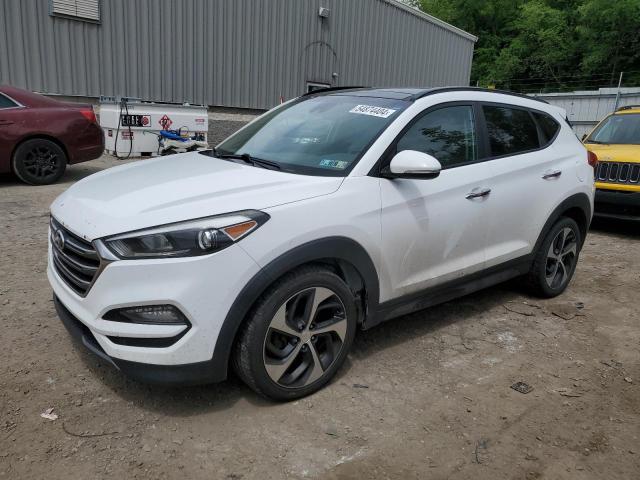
<point x="373" y="111"/>
<point x="339" y="164"/>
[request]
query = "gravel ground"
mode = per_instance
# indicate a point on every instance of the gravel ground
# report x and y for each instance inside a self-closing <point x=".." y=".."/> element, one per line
<point x="221" y="129"/>
<point x="425" y="396"/>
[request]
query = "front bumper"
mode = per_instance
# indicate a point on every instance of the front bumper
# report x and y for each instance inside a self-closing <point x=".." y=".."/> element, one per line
<point x="617" y="204"/>
<point x="202" y="288"/>
<point x="189" y="374"/>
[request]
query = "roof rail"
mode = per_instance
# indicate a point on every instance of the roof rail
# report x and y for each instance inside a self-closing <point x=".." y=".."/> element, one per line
<point x="627" y="107"/>
<point x="435" y="90"/>
<point x="331" y="89"/>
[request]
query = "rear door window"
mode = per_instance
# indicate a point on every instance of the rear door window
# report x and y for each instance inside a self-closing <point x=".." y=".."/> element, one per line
<point x="510" y="130"/>
<point x="6" y="102"/>
<point x="548" y="126"/>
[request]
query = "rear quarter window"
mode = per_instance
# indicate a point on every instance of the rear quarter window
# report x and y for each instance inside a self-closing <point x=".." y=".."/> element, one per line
<point x="6" y="102"/>
<point x="510" y="130"/>
<point x="548" y="126"/>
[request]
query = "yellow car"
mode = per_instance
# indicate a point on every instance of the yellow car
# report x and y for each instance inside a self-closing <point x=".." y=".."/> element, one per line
<point x="616" y="143"/>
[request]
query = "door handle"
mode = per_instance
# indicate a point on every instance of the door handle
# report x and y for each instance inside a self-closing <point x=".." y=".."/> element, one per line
<point x="477" y="193"/>
<point x="551" y="174"/>
<point x="6" y="122"/>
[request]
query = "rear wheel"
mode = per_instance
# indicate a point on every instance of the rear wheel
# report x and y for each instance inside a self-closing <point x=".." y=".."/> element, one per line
<point x="298" y="335"/>
<point x="39" y="162"/>
<point x="556" y="259"/>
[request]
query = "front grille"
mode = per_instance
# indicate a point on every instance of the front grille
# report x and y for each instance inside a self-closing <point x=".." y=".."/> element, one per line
<point x="618" y="172"/>
<point x="74" y="259"/>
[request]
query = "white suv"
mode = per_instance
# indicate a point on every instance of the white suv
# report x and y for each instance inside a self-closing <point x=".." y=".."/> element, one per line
<point x="335" y="211"/>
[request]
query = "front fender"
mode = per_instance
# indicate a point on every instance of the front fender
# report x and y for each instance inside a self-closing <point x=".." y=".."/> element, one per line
<point x="330" y="248"/>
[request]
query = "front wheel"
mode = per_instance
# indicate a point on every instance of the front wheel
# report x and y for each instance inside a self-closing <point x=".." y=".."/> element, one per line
<point x="556" y="259"/>
<point x="298" y="335"/>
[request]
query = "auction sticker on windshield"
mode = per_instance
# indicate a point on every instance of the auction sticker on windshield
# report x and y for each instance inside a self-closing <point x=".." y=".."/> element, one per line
<point x="372" y="110"/>
<point x="339" y="164"/>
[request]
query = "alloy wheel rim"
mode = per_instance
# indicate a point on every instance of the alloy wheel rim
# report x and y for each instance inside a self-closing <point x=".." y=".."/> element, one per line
<point x="305" y="337"/>
<point x="41" y="162"/>
<point x="561" y="258"/>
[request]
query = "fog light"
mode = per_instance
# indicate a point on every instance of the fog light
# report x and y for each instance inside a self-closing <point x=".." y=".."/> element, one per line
<point x="152" y="314"/>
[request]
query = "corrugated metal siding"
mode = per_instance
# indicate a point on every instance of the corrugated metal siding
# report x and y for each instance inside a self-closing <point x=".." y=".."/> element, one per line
<point x="239" y="53"/>
<point x="586" y="109"/>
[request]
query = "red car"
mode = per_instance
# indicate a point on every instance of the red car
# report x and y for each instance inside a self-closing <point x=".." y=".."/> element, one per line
<point x="39" y="136"/>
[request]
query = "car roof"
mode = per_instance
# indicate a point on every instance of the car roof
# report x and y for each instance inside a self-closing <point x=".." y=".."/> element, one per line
<point x="390" y="93"/>
<point x="409" y="94"/>
<point x="627" y="109"/>
<point x="27" y="98"/>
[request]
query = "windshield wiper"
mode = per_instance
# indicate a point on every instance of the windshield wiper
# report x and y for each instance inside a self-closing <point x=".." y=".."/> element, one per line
<point x="245" y="157"/>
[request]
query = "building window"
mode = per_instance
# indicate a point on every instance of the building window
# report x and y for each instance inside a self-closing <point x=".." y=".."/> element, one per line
<point x="313" y="86"/>
<point x="78" y="9"/>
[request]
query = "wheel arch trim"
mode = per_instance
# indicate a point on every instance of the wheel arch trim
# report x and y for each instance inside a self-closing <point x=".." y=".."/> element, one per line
<point x="341" y="249"/>
<point x="39" y="136"/>
<point x="577" y="202"/>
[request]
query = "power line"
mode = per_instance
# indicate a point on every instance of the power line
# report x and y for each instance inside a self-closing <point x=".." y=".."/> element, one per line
<point x="564" y="76"/>
<point x="556" y="84"/>
<point x="585" y="75"/>
<point x="568" y="84"/>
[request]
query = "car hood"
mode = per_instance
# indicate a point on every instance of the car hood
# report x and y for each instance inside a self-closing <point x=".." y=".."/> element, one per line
<point x="175" y="188"/>
<point x="615" y="153"/>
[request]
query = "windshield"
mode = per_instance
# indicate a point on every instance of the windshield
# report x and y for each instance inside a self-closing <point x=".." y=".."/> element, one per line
<point x="324" y="135"/>
<point x="618" y="129"/>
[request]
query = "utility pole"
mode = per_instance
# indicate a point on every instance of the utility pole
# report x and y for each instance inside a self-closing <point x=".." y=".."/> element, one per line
<point x="618" y="94"/>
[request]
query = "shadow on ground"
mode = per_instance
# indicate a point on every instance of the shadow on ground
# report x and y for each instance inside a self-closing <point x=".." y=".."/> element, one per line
<point x="196" y="400"/>
<point x="71" y="175"/>
<point x="620" y="228"/>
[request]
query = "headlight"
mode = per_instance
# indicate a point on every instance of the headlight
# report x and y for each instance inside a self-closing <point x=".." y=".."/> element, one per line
<point x="186" y="239"/>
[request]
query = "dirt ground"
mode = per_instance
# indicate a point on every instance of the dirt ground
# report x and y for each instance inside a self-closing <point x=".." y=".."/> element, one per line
<point x="426" y="396"/>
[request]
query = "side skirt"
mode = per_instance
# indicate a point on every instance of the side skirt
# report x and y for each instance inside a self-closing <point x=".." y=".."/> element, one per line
<point x="448" y="291"/>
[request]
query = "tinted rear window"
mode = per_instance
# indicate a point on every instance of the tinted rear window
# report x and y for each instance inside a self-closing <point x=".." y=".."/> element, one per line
<point x="6" y="103"/>
<point x="510" y="130"/>
<point x="548" y="126"/>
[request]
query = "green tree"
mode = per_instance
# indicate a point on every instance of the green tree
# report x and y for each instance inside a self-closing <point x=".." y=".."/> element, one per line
<point x="542" y="47"/>
<point x="489" y="20"/>
<point x="609" y="33"/>
<point x="547" y="44"/>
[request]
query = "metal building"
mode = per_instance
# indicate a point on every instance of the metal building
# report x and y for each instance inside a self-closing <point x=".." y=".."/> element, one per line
<point x="234" y="53"/>
<point x="585" y="109"/>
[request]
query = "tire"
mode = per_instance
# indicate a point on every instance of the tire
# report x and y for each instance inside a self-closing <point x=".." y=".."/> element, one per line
<point x="39" y="162"/>
<point x="552" y="270"/>
<point x="285" y="352"/>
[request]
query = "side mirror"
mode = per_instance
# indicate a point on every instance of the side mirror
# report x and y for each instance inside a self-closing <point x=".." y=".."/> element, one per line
<point x="584" y="137"/>
<point x="412" y="164"/>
